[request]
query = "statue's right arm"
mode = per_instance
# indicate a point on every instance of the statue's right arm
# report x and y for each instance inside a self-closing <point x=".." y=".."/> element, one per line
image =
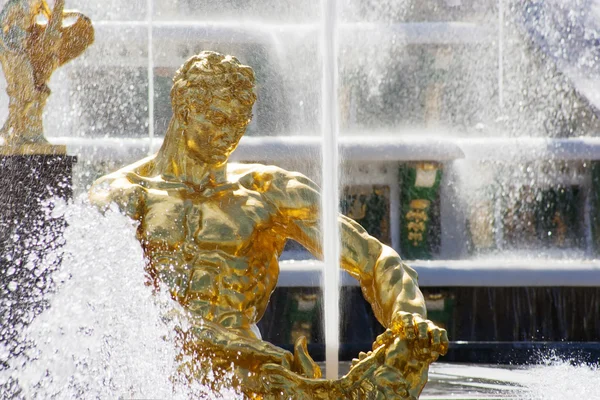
<point x="117" y="189"/>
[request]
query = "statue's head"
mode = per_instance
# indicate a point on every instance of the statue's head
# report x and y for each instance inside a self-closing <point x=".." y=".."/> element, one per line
<point x="212" y="99"/>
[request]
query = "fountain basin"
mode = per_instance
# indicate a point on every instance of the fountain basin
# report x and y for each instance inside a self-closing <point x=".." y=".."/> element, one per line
<point x="477" y="382"/>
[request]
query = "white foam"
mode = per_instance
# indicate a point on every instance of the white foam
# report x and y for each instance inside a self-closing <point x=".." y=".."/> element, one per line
<point x="104" y="334"/>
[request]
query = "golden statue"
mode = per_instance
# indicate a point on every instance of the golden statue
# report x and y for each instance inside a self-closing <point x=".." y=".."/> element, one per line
<point x="35" y="41"/>
<point x="212" y="231"/>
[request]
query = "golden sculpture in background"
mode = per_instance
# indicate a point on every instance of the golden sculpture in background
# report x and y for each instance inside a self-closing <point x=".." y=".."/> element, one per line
<point x="416" y="218"/>
<point x="212" y="231"/>
<point x="34" y="42"/>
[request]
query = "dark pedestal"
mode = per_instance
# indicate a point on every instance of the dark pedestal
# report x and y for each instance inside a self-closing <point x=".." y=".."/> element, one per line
<point x="28" y="233"/>
<point x="26" y="183"/>
<point x="26" y="179"/>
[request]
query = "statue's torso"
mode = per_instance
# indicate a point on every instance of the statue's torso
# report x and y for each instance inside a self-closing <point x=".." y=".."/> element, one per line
<point x="216" y="249"/>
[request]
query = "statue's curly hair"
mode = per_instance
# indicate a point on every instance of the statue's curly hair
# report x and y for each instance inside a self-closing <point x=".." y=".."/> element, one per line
<point x="210" y="75"/>
<point x="201" y="79"/>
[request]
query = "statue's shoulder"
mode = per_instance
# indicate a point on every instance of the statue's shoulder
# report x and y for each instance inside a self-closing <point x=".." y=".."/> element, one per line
<point x="126" y="177"/>
<point x="285" y="189"/>
<point x="123" y="186"/>
<point x="259" y="175"/>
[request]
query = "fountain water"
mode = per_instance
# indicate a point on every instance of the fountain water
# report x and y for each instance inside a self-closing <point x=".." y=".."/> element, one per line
<point x="105" y="333"/>
<point x="330" y="197"/>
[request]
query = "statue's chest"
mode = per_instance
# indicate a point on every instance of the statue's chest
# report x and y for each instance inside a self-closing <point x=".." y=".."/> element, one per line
<point x="223" y="221"/>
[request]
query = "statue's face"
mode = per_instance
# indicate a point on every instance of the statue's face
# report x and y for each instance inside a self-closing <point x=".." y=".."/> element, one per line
<point x="211" y="136"/>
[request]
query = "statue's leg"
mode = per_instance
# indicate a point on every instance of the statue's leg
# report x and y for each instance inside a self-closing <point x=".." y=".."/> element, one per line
<point x="259" y="369"/>
<point x="211" y="349"/>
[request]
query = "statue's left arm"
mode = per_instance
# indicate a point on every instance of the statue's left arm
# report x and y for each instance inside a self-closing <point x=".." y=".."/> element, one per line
<point x="389" y="285"/>
<point x="401" y="356"/>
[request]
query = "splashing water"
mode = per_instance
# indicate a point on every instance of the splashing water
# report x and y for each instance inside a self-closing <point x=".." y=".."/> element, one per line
<point x="556" y="379"/>
<point x="104" y="334"/>
<point x="552" y="378"/>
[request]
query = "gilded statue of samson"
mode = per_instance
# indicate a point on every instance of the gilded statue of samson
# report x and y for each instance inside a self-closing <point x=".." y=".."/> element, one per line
<point x="212" y="231"/>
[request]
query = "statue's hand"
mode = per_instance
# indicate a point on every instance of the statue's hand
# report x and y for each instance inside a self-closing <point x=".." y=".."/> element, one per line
<point x="379" y="374"/>
<point x="397" y="367"/>
<point x="426" y="340"/>
<point x="375" y="376"/>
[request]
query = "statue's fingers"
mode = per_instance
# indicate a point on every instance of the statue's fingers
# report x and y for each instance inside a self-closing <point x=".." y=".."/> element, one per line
<point x="421" y="326"/>
<point x="398" y="320"/>
<point x="444" y="343"/>
<point x="435" y="341"/>
<point x="387" y="335"/>
<point x="408" y="326"/>
<point x="384" y="338"/>
<point x="422" y="330"/>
